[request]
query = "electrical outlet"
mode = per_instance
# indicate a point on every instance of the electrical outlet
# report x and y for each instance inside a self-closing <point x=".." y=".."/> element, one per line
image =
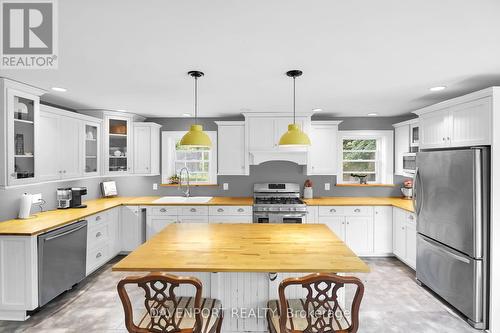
<point x="155" y="187"/>
<point x="225" y="186"/>
<point x="35" y="198"/>
<point x="327" y="186"/>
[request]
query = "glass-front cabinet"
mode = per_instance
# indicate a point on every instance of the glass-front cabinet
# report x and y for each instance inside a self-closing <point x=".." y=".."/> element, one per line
<point x="91" y="148"/>
<point x="118" y="145"/>
<point x="22" y="107"/>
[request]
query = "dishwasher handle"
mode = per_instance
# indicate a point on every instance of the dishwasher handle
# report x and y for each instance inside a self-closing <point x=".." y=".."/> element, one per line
<point x="65" y="233"/>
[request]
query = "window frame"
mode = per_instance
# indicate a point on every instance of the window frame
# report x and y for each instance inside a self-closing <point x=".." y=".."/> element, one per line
<point x="168" y="156"/>
<point x="384" y="163"/>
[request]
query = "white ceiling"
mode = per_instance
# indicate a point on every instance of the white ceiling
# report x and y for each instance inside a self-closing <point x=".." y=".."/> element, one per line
<point x="358" y="56"/>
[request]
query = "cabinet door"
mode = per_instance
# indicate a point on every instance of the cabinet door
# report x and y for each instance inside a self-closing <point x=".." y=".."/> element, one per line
<point x="231" y="150"/>
<point x="261" y="133"/>
<point x="48" y="157"/>
<point x="434" y="128"/>
<point x="142" y="149"/>
<point x="471" y="123"/>
<point x="382" y="230"/>
<point x="401" y="146"/>
<point x="91" y="146"/>
<point x="323" y="150"/>
<point x="359" y="234"/>
<point x="411" y="244"/>
<point x="193" y="219"/>
<point x="336" y="224"/>
<point x="118" y="145"/>
<point x="230" y="219"/>
<point x="132" y="233"/>
<point x="156" y="224"/>
<point x="69" y="147"/>
<point x="115" y="234"/>
<point x="312" y="214"/>
<point x="399" y="233"/>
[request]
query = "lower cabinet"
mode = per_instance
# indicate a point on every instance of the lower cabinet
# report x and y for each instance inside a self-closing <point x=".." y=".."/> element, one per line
<point x="382" y="230"/>
<point x="132" y="228"/>
<point x="405" y="236"/>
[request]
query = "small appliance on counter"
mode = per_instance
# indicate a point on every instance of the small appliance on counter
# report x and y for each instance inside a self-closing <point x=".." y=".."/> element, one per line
<point x="70" y="197"/>
<point x="108" y="189"/>
<point x="25" y="206"/>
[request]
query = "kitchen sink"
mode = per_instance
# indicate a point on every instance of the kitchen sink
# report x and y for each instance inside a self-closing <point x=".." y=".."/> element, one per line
<point x="181" y="200"/>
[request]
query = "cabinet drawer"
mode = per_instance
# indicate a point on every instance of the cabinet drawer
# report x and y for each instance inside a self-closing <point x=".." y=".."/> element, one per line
<point x="331" y="210"/>
<point x="194" y="210"/>
<point x="97" y="257"/>
<point x="358" y="211"/>
<point x="94" y="220"/>
<point x="229" y="210"/>
<point x="98" y="234"/>
<point x="162" y="211"/>
<point x="230" y="219"/>
<point x="193" y="219"/>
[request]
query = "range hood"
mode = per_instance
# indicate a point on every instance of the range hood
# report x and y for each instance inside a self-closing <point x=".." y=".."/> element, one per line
<point x="289" y="155"/>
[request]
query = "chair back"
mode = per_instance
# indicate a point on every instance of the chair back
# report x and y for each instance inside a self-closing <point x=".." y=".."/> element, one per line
<point x="161" y="303"/>
<point x="320" y="308"/>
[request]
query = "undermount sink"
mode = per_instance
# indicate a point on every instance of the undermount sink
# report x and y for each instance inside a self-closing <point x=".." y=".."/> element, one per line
<point x="173" y="199"/>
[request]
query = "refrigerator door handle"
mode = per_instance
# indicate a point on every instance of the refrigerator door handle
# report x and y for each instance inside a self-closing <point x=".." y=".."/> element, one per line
<point x="441" y="249"/>
<point x="413" y="190"/>
<point x="478" y="206"/>
<point x="417" y="205"/>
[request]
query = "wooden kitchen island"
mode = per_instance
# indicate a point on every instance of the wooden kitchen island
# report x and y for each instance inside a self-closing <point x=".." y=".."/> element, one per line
<point x="237" y="263"/>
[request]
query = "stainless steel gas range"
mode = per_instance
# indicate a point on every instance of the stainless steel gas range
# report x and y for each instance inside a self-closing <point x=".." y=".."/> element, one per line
<point x="278" y="203"/>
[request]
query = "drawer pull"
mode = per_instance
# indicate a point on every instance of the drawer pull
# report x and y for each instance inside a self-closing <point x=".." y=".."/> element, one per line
<point x="163" y="210"/>
<point x="411" y="217"/>
<point x="241" y="210"/>
<point x="192" y="210"/>
<point x="97" y="235"/>
<point x="98" y="218"/>
<point x="220" y="210"/>
<point x="333" y="210"/>
<point x="357" y="210"/>
<point x="98" y="255"/>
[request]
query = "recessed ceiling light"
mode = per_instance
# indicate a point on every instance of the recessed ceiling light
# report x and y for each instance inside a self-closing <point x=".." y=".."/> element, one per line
<point x="372" y="114"/>
<point x="438" y="88"/>
<point x="186" y="114"/>
<point x="317" y="110"/>
<point x="59" y="89"/>
<point x="121" y="110"/>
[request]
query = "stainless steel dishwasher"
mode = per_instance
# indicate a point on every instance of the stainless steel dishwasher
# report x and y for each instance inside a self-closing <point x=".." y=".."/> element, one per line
<point x="62" y="255"/>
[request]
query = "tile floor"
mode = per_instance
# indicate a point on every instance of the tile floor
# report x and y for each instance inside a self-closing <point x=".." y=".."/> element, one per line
<point x="393" y="302"/>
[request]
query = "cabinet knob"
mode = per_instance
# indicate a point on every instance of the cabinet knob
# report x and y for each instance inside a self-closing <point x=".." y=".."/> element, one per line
<point x="193" y="210"/>
<point x="403" y="228"/>
<point x="333" y="210"/>
<point x="357" y="210"/>
<point x="13" y="174"/>
<point x="220" y="210"/>
<point x="411" y="217"/>
<point x="64" y="171"/>
<point x="241" y="210"/>
<point x="98" y="255"/>
<point x="347" y="222"/>
<point x="444" y="139"/>
<point x="98" y="218"/>
<point x="343" y="222"/>
<point x="163" y="210"/>
<point x="99" y="234"/>
<point x="448" y="138"/>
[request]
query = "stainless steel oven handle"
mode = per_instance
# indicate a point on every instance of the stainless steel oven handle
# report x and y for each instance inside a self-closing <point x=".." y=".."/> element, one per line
<point x="64" y="233"/>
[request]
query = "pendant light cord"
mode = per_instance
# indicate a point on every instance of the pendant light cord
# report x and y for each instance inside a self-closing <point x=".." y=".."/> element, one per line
<point x="196" y="100"/>
<point x="294" y="100"/>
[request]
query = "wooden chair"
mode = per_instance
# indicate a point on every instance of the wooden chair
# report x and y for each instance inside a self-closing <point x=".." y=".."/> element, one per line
<point x="319" y="311"/>
<point x="164" y="311"/>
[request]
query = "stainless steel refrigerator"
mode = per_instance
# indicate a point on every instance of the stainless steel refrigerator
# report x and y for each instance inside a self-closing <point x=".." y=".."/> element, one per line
<point x="452" y="207"/>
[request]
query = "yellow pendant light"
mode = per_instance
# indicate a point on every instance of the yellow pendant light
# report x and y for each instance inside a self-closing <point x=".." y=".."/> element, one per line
<point x="196" y="137"/>
<point x="294" y="137"/>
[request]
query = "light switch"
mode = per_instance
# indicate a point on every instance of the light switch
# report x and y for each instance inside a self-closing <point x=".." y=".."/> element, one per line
<point x="35" y="198"/>
<point x="225" y="186"/>
<point x="327" y="186"/>
<point x="155" y="187"/>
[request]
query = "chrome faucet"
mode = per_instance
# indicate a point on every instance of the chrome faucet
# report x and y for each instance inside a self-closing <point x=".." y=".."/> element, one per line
<point x="186" y="191"/>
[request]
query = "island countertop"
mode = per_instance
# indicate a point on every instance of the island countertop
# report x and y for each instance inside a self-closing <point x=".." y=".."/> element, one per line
<point x="197" y="247"/>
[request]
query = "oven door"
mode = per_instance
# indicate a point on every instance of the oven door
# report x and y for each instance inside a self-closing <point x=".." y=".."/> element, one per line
<point x="409" y="162"/>
<point x="278" y="217"/>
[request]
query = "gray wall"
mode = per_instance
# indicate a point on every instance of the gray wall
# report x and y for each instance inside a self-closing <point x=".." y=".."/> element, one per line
<point x="275" y="171"/>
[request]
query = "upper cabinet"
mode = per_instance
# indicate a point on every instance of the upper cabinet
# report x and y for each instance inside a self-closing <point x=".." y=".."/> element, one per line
<point x="232" y="153"/>
<point x="460" y="122"/>
<point x="19" y="122"/>
<point x="406" y="140"/>
<point x="91" y="148"/>
<point x="146" y="148"/>
<point x="118" y="135"/>
<point x="322" y="157"/>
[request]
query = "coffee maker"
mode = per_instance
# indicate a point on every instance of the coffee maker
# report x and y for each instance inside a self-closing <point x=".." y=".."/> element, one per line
<point x="70" y="197"/>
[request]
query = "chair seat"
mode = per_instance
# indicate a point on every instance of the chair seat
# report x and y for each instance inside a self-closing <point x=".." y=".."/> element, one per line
<point x="298" y="321"/>
<point x="211" y="312"/>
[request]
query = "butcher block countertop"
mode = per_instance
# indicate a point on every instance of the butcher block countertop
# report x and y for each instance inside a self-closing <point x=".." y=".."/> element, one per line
<point x="42" y="222"/>
<point x="198" y="247"/>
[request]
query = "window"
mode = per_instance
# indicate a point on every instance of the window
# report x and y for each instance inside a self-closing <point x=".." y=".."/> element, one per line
<point x="366" y="153"/>
<point x="200" y="162"/>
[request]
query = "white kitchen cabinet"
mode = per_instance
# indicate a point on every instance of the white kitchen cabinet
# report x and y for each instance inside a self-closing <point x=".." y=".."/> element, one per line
<point x="118" y="144"/>
<point x="132" y="228"/>
<point x="322" y="156"/>
<point x="460" y="122"/>
<point x="61" y="136"/>
<point x="403" y="142"/>
<point x="19" y="128"/>
<point x="382" y="230"/>
<point x="146" y="148"/>
<point x="336" y="224"/>
<point x="404" y="236"/>
<point x="232" y="154"/>
<point x="230" y="214"/>
<point x="312" y="214"/>
<point x="359" y="234"/>
<point x="115" y="231"/>
<point x="91" y="148"/>
<point x="155" y="224"/>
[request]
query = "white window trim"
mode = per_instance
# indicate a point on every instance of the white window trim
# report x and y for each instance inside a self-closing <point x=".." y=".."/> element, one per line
<point x="385" y="150"/>
<point x="168" y="140"/>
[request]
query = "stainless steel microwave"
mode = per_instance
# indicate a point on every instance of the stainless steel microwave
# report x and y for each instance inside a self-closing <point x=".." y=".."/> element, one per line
<point x="409" y="162"/>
